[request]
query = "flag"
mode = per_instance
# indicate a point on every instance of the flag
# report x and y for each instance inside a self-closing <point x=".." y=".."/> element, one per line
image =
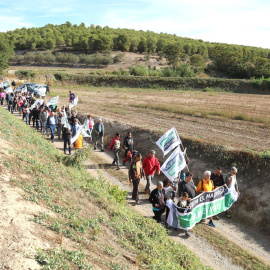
<point x="8" y="90"/>
<point x="53" y="101"/>
<point x="74" y="102"/>
<point x="74" y="138"/>
<point x="168" y="141"/>
<point x="174" y="164"/>
<point x="203" y="206"/>
<point x="34" y="105"/>
<point x="84" y="133"/>
<point x="65" y="120"/>
<point x="6" y="83"/>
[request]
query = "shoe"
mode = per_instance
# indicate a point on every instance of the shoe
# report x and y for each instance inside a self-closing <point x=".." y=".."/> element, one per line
<point x="175" y="229"/>
<point x="137" y="202"/>
<point x="113" y="163"/>
<point x="228" y="215"/>
<point x="210" y="223"/>
<point x="65" y="153"/>
<point x="216" y="217"/>
<point x="146" y="191"/>
<point x="102" y="150"/>
<point x="124" y="163"/>
<point x="118" y="168"/>
<point x="187" y="234"/>
<point x="95" y="148"/>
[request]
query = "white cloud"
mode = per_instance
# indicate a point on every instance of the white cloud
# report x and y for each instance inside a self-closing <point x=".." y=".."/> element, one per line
<point x="10" y="23"/>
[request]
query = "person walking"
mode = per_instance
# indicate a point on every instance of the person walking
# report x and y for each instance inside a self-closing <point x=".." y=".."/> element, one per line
<point x="88" y="126"/>
<point x="78" y="144"/>
<point x="52" y="123"/>
<point x="26" y="114"/>
<point x="67" y="134"/>
<point x="217" y="178"/>
<point x="157" y="199"/>
<point x="99" y="134"/>
<point x="71" y="96"/>
<point x="115" y="146"/>
<point x="150" y="166"/>
<point x="128" y="145"/>
<point x="2" y="96"/>
<point x="206" y="185"/>
<point x="135" y="173"/>
<point x="231" y="182"/>
<point x="187" y="186"/>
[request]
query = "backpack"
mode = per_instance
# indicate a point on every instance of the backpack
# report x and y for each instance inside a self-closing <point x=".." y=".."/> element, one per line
<point x="211" y="181"/>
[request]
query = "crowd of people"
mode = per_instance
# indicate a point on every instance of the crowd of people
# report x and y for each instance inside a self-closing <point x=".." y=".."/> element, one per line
<point x="48" y="119"/>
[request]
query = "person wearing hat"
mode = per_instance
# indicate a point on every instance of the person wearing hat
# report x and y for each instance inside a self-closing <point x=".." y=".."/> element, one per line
<point x="150" y="166"/>
<point x="99" y="134"/>
<point x="157" y="199"/>
<point x="230" y="181"/>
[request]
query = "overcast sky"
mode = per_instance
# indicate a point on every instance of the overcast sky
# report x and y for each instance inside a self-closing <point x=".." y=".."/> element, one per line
<point x="244" y="22"/>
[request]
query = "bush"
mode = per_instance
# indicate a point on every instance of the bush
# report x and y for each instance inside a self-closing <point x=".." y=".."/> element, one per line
<point x="118" y="58"/>
<point x="138" y="70"/>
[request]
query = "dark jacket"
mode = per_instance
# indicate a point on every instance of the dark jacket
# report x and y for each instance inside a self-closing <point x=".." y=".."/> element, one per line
<point x="158" y="198"/>
<point x="217" y="179"/>
<point x="67" y="134"/>
<point x="96" y="130"/>
<point x="188" y="188"/>
<point x="128" y="143"/>
<point x="35" y="113"/>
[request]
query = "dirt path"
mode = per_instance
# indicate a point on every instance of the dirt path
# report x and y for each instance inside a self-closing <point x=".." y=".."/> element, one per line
<point x="98" y="165"/>
<point x="250" y="240"/>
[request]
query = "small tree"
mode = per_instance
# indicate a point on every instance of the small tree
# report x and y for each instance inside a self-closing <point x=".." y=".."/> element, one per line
<point x="5" y="53"/>
<point x="173" y="53"/>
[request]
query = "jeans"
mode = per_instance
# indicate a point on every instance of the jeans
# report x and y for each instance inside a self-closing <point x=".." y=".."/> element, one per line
<point x="100" y="139"/>
<point x="2" y="100"/>
<point x="149" y="179"/>
<point x="89" y="131"/>
<point x="116" y="157"/>
<point x="44" y="127"/>
<point x="59" y="129"/>
<point x="52" y="129"/>
<point x="158" y="215"/>
<point x="26" y="118"/>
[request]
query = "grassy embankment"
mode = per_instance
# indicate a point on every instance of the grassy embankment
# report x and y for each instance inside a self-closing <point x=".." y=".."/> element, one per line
<point x="63" y="186"/>
<point x="237" y="254"/>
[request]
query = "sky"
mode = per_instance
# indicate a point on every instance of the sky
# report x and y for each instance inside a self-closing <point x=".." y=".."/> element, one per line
<point x="242" y="22"/>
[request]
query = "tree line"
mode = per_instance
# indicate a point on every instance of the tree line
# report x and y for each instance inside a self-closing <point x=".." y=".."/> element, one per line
<point x="234" y="61"/>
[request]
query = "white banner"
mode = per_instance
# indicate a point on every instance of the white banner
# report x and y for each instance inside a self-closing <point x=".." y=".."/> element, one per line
<point x="34" y="105"/>
<point x="8" y="90"/>
<point x="174" y="164"/>
<point x="6" y="83"/>
<point x="84" y="133"/>
<point x="168" y="141"/>
<point x="73" y="139"/>
<point x="53" y="101"/>
<point x="74" y="102"/>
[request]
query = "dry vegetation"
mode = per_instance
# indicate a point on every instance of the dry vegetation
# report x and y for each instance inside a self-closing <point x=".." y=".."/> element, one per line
<point x="235" y="121"/>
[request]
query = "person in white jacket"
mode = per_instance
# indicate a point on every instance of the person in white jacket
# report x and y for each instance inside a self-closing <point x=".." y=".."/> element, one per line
<point x="88" y="126"/>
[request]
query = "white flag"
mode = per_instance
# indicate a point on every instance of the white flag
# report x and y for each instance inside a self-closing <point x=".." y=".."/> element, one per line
<point x="84" y="133"/>
<point x="168" y="141"/>
<point x="74" y="102"/>
<point x="73" y="139"/>
<point x="65" y="120"/>
<point x="174" y="164"/>
<point x="34" y="105"/>
<point x="8" y="90"/>
<point x="6" y="83"/>
<point x="53" y="101"/>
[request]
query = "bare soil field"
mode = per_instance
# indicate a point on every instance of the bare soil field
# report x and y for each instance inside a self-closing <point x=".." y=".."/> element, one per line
<point x="205" y="116"/>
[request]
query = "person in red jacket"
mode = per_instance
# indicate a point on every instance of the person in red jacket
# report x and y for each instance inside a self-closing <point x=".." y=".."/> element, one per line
<point x="150" y="166"/>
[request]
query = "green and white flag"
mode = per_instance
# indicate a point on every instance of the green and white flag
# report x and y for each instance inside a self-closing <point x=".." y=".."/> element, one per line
<point x="174" y="164"/>
<point x="53" y="101"/>
<point x="168" y="141"/>
<point x="8" y="90"/>
<point x="203" y="206"/>
<point x="6" y="83"/>
<point x="65" y="120"/>
<point x="74" y="102"/>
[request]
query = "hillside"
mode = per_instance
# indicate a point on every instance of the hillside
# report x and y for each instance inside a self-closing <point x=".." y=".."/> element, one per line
<point x="234" y="61"/>
<point x="54" y="215"/>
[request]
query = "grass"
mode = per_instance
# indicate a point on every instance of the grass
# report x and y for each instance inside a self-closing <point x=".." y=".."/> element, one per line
<point x="66" y="190"/>
<point x="201" y="113"/>
<point x="236" y="253"/>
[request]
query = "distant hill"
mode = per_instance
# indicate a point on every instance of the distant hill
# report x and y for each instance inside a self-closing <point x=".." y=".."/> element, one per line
<point x="234" y="60"/>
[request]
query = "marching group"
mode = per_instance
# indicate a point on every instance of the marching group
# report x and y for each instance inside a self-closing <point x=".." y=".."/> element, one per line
<point x="48" y="119"/>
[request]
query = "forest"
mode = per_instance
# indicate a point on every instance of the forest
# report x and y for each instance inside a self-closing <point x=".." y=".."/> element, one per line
<point x="233" y="61"/>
